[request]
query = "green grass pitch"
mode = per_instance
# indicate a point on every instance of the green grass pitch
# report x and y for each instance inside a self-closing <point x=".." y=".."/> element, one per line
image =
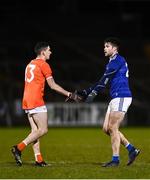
<point x="74" y="153"/>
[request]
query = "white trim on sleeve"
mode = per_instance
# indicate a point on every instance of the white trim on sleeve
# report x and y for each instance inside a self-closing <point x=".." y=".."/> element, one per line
<point x="49" y="77"/>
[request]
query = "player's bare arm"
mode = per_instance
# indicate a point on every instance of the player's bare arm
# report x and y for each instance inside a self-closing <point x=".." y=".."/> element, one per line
<point x="54" y="86"/>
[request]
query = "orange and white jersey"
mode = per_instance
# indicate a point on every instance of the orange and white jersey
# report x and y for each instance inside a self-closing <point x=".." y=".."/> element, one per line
<point x="35" y="74"/>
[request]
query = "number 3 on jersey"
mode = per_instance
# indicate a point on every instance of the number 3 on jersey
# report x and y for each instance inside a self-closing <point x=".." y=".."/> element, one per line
<point x="29" y="73"/>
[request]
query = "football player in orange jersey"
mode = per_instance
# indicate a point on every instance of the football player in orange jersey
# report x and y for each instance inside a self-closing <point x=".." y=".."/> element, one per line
<point x="35" y="74"/>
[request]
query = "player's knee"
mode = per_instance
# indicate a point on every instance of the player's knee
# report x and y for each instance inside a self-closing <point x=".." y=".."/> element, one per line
<point x="44" y="131"/>
<point x="111" y="129"/>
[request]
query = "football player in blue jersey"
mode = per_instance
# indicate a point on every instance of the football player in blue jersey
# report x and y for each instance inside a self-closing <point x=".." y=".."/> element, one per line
<point x="116" y="75"/>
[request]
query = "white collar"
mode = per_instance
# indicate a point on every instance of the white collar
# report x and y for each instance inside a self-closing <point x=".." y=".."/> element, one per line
<point x="114" y="57"/>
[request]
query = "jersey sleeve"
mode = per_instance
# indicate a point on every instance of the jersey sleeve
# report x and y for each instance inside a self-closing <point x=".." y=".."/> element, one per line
<point x="111" y="68"/>
<point x="46" y="70"/>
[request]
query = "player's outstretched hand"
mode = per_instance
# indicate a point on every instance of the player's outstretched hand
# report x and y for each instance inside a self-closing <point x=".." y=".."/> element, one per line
<point x="74" y="96"/>
<point x="91" y="97"/>
<point x="83" y="94"/>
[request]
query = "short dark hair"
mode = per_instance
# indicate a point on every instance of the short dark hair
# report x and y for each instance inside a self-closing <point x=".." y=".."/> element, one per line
<point x="40" y="46"/>
<point x="114" y="41"/>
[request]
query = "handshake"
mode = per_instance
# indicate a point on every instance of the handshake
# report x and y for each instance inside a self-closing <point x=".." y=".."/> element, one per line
<point x="81" y="96"/>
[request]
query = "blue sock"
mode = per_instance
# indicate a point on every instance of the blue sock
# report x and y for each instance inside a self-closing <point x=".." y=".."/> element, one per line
<point x="130" y="147"/>
<point x="115" y="158"/>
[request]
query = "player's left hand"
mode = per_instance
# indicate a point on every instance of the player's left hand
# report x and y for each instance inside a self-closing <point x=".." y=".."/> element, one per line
<point x="91" y="97"/>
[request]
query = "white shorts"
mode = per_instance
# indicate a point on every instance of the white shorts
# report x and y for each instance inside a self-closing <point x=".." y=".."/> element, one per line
<point x="36" y="110"/>
<point x="120" y="104"/>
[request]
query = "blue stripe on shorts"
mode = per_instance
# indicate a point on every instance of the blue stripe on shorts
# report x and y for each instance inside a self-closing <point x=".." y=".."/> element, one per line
<point x="120" y="108"/>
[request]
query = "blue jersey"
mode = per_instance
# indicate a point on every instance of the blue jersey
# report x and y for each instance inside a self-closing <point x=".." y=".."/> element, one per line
<point x="116" y="74"/>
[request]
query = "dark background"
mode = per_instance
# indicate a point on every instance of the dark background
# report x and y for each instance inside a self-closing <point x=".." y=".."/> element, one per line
<point x="75" y="31"/>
